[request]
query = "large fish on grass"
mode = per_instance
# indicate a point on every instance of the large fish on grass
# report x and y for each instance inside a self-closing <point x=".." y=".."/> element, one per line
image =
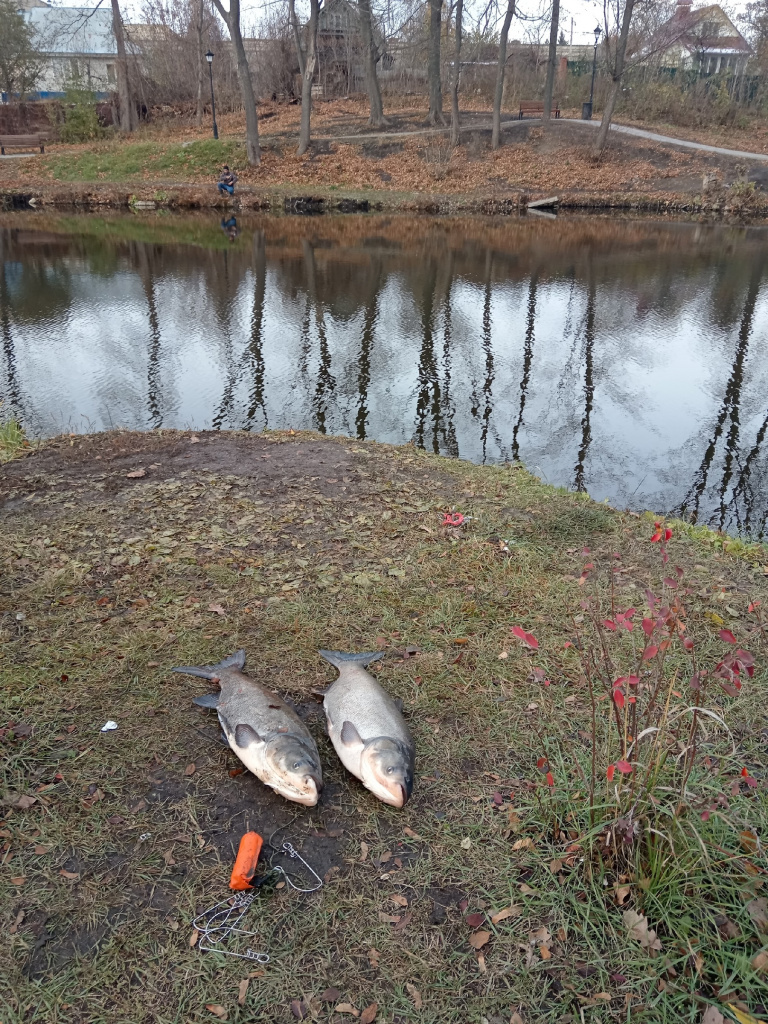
<point x="368" y="730"/>
<point x="265" y="733"/>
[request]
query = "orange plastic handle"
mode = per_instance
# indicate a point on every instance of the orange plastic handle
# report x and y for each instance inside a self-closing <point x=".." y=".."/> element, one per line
<point x="247" y="859"/>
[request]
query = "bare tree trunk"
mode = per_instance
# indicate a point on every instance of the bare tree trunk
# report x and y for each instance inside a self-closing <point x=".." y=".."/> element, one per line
<point x="456" y="76"/>
<point x="501" y="68"/>
<point x="127" y="119"/>
<point x="377" y="119"/>
<point x="552" y="62"/>
<point x="232" y="19"/>
<point x="433" y="67"/>
<point x="200" y="62"/>
<point x="618" y="71"/>
<point x="296" y="34"/>
<point x="310" y="61"/>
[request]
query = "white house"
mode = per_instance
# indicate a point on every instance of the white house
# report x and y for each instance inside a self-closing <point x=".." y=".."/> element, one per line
<point x="702" y="39"/>
<point x="79" y="46"/>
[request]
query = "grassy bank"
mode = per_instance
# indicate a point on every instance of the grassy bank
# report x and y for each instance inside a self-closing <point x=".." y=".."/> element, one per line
<point x="506" y="889"/>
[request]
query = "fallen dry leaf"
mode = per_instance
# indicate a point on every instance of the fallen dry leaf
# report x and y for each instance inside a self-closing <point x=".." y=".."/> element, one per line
<point x="622" y="891"/>
<point x="540" y="937"/>
<point x="502" y="915"/>
<point x="363" y="851"/>
<point x="40" y="850"/>
<point x="478" y="939"/>
<point x="712" y="1016"/>
<point x="760" y="962"/>
<point x="401" y="901"/>
<point x="373" y="958"/>
<point x="19" y="880"/>
<point x="409" y="832"/>
<point x="242" y="989"/>
<point x="298" y="1009"/>
<point x="545" y="953"/>
<point x="526" y="890"/>
<point x="24" y="802"/>
<point x="217" y="1010"/>
<point x="388" y="918"/>
<point x="190" y="769"/>
<point x="465" y="843"/>
<point x="523" y="844"/>
<point x="474" y="920"/>
<point x="194" y="440"/>
<point x="415" y="995"/>
<point x="137" y="474"/>
<point x="515" y="1018"/>
<point x="758" y="912"/>
<point x="331" y="995"/>
<point x="15" y="926"/>
<point x="637" y="926"/>
<point x="346" y="1008"/>
<point x="73" y="876"/>
<point x="368" y="1016"/>
<point x="741" y="1015"/>
<point x="193" y="938"/>
<point x="216" y="609"/>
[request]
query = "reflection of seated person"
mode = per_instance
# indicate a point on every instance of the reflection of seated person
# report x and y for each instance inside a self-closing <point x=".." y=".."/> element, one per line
<point x="227" y="181"/>
<point x="230" y="227"/>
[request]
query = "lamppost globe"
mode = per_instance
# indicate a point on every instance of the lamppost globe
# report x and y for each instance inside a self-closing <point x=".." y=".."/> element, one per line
<point x="598" y="33"/>
<point x="586" y="108"/>
<point x="209" y="57"/>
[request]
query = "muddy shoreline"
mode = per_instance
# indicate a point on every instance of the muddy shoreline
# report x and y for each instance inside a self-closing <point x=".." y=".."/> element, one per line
<point x="92" y="197"/>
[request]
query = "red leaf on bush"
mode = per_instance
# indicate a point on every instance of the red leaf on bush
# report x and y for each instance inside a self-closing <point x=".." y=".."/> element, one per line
<point x="656" y="537"/>
<point x="550" y="779"/>
<point x="667" y="534"/>
<point x="629" y="613"/>
<point x="688" y="643"/>
<point x="730" y="690"/>
<point x="611" y="772"/>
<point x="670" y="582"/>
<point x="648" y="626"/>
<point x="618" y="697"/>
<point x="541" y="762"/>
<point x="753" y="605"/>
<point x="528" y="638"/>
<point x="727" y="635"/>
<point x="624" y="767"/>
<point x="609" y="624"/>
<point x="695" y="682"/>
<point x="650" y="652"/>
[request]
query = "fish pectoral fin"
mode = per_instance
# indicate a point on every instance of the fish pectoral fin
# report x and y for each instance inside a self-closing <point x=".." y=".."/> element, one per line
<point x="208" y="700"/>
<point x="245" y="735"/>
<point x="350" y="737"/>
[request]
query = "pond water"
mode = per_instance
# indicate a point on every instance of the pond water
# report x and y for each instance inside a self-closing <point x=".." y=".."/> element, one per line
<point x="622" y="357"/>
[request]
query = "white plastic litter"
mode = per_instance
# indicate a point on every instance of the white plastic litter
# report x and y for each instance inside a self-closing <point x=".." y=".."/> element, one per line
<point x="108" y="726"/>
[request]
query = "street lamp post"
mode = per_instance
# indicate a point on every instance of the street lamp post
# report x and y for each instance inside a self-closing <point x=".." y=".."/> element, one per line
<point x="586" y="108"/>
<point x="209" y="58"/>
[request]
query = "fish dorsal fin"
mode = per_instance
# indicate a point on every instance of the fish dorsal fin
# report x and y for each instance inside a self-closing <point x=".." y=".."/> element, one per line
<point x="245" y="735"/>
<point x="339" y="658"/>
<point x="236" y="660"/>
<point x="350" y="737"/>
<point x="208" y="700"/>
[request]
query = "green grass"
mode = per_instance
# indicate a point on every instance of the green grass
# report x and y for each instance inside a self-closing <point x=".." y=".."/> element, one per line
<point x="121" y="161"/>
<point x="13" y="440"/>
<point x="113" y="579"/>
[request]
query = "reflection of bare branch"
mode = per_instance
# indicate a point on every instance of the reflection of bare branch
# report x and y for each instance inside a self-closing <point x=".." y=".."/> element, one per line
<point x="256" y="343"/>
<point x="589" y="385"/>
<point x="366" y="346"/>
<point x="527" y="360"/>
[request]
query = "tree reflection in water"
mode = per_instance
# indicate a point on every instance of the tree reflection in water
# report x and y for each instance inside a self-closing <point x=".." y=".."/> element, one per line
<point x="625" y="358"/>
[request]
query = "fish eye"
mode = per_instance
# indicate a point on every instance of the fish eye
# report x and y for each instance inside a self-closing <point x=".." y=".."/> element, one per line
<point x="297" y="766"/>
<point x="390" y="770"/>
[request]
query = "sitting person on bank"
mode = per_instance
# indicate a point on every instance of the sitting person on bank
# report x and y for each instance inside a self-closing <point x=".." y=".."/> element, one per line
<point x="227" y="181"/>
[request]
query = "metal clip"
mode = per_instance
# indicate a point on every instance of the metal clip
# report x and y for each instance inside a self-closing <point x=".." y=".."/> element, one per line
<point x="290" y="851"/>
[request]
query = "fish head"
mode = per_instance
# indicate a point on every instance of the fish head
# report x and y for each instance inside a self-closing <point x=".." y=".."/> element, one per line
<point x="387" y="771"/>
<point x="294" y="769"/>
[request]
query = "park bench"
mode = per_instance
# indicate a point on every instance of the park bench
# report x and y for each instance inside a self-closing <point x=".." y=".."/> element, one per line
<point x="535" y="108"/>
<point x="23" y="142"/>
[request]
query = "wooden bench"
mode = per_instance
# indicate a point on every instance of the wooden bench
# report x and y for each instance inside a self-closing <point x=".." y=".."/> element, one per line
<point x="535" y="108"/>
<point x="22" y="142"/>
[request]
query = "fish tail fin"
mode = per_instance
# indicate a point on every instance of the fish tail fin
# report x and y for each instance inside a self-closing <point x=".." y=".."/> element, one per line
<point x="339" y="658"/>
<point x="236" y="660"/>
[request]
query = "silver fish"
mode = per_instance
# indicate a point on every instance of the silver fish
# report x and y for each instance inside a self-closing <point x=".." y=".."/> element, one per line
<point x="265" y="733"/>
<point x="368" y="730"/>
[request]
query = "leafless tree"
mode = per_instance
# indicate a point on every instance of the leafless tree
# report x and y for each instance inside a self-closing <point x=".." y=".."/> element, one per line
<point x="127" y="112"/>
<point x="552" y="61"/>
<point x="308" y="74"/>
<point x="458" y="16"/>
<point x="500" y="70"/>
<point x="371" y="55"/>
<point x="199" y="21"/>
<point x="433" y="65"/>
<point x="232" y="19"/>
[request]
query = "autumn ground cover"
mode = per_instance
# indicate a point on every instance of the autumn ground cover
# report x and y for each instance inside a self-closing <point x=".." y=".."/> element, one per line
<point x="406" y="160"/>
<point x="557" y="862"/>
